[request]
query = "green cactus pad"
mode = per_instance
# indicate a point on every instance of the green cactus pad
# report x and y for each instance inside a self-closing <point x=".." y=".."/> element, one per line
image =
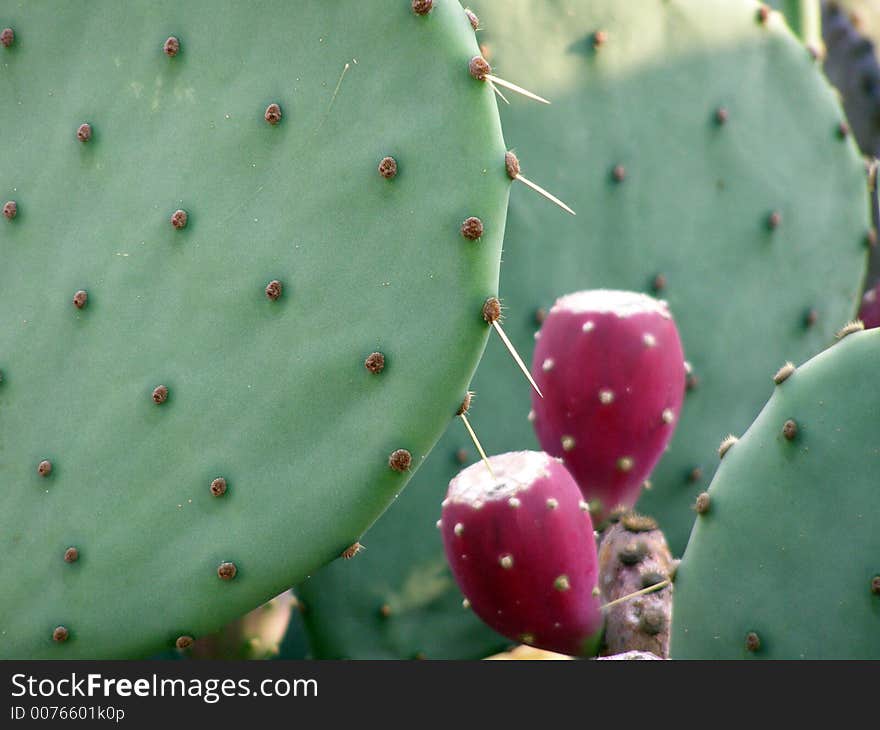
<point x="694" y="205"/>
<point x="789" y="549"/>
<point x="265" y="383"/>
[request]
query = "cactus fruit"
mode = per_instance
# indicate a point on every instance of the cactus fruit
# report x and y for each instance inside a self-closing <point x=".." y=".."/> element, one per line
<point x="633" y="555"/>
<point x="851" y="65"/>
<point x="521" y="546"/>
<point x="786" y="563"/>
<point x="869" y="314"/>
<point x="688" y="223"/>
<point x="227" y="339"/>
<point x="611" y="370"/>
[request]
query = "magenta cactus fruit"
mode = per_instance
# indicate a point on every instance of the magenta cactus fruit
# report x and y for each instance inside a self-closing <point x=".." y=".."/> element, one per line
<point x="870" y="311"/>
<point x="611" y="369"/>
<point x="521" y="546"/>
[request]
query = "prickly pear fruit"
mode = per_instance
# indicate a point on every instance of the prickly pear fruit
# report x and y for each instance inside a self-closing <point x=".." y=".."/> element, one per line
<point x="521" y="546"/>
<point x="611" y="369"/>
<point x="870" y="311"/>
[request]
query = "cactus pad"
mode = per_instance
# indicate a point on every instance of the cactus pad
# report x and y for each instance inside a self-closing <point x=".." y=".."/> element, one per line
<point x="785" y="563"/>
<point x="207" y="246"/>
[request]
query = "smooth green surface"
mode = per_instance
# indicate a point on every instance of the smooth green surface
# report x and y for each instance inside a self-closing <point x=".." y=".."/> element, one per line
<point x="791" y="541"/>
<point x="694" y="206"/>
<point x="273" y="396"/>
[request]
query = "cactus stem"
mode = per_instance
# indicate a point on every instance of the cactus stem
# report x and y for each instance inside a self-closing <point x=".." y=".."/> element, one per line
<point x="650" y="589"/>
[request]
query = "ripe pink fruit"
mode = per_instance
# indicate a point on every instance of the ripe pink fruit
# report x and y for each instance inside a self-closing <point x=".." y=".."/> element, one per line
<point x="522" y="549"/>
<point x="611" y="367"/>
<point x="870" y="311"/>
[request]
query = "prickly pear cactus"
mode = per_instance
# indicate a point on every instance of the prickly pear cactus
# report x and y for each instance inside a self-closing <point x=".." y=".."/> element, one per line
<point x="784" y="559"/>
<point x="239" y="305"/>
<point x="692" y="170"/>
